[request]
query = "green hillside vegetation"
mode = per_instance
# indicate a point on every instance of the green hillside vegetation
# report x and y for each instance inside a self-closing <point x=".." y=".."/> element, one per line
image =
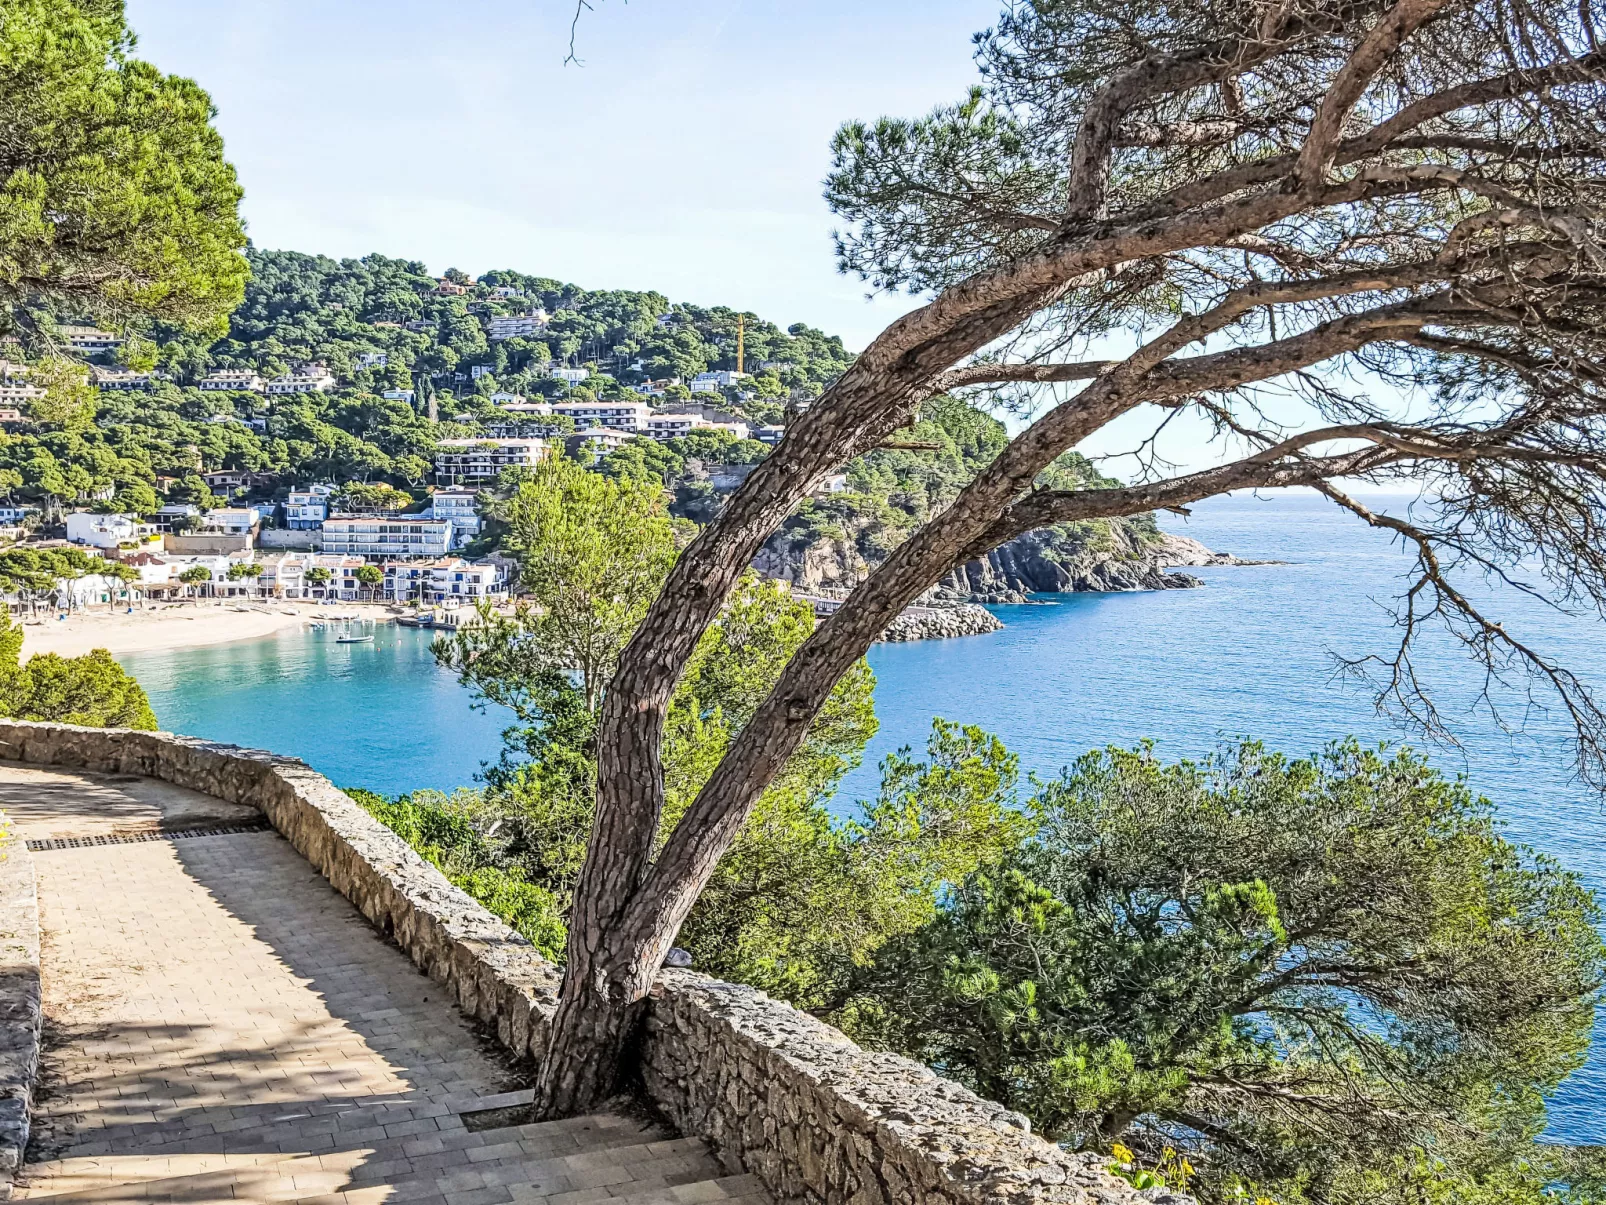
<point x="134" y="450"/>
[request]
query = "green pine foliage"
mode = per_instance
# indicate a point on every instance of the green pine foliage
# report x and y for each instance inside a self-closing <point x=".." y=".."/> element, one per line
<point x="92" y="690"/>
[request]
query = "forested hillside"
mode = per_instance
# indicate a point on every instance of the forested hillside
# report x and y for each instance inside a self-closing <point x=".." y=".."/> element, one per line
<point x="131" y="450"/>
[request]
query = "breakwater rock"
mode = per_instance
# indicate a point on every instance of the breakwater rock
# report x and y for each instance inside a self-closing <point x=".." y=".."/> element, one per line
<point x="938" y="623"/>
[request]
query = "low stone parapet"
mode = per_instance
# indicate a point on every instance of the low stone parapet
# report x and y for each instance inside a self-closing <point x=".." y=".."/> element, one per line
<point x="776" y="1092"/>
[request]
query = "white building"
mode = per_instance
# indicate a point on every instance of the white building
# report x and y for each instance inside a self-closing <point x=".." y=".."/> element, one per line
<point x="399" y="395"/>
<point x="103" y="531"/>
<point x="90" y="340"/>
<point x="479" y="461"/>
<point x="236" y="380"/>
<point x="771" y="435"/>
<point x="672" y="426"/>
<point x="713" y="382"/>
<point x="11" y="516"/>
<point x="15" y="393"/>
<point x="305" y="510"/>
<point x="600" y="440"/>
<point x="387" y="536"/>
<point x="621" y="416"/>
<point x="448" y="580"/>
<point x="173" y="512"/>
<point x="118" y="379"/>
<point x="307" y="378"/>
<point x="230" y="520"/>
<point x="373" y="359"/>
<point x="515" y="326"/>
<point x="569" y="376"/>
<point x="457" y="507"/>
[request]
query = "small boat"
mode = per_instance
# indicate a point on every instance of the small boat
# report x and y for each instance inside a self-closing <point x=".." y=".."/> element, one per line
<point x="353" y="639"/>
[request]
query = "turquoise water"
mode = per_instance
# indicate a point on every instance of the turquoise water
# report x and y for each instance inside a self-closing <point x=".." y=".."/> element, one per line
<point x="1249" y="654"/>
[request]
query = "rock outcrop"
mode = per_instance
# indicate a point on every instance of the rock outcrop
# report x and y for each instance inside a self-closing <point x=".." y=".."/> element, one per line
<point x="939" y="623"/>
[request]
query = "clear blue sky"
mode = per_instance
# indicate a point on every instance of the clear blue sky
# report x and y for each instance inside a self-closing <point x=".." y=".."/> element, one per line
<point x="686" y="154"/>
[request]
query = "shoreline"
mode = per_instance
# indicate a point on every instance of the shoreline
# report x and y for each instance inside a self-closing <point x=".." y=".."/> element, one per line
<point x="171" y="626"/>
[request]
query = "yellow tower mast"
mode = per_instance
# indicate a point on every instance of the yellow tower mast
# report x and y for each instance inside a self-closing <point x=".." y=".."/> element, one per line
<point x="741" y="334"/>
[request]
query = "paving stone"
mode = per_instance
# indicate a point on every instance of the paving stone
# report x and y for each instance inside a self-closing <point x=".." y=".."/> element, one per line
<point x="224" y="1027"/>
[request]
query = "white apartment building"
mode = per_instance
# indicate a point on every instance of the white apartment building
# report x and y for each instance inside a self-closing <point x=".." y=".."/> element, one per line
<point x="479" y="461"/>
<point x="119" y="379"/>
<point x="387" y="536"/>
<point x="621" y="416"/>
<point x="103" y="531"/>
<point x="230" y="520"/>
<point x="308" y="378"/>
<point x="399" y="395"/>
<point x="305" y="510"/>
<point x="515" y="326"/>
<point x="713" y="382"/>
<point x="373" y="359"/>
<point x="15" y="393"/>
<point x="569" y="376"/>
<point x="456" y="506"/>
<point x="90" y="340"/>
<point x="445" y="580"/>
<point x="672" y="426"/>
<point x="600" y="440"/>
<point x="236" y="380"/>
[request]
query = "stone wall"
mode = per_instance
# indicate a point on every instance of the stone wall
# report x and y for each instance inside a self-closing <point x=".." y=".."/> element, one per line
<point x="19" y="1004"/>
<point x="775" y="1091"/>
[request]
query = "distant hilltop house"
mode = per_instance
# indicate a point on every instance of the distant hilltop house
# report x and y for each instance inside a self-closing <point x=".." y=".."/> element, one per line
<point x="234" y="380"/>
<point x="656" y="388"/>
<point x="372" y="359"/>
<point x="90" y="340"/>
<point x="506" y="291"/>
<point x="229" y="480"/>
<point x="516" y="326"/>
<point x="399" y="395"/>
<point x="120" y="379"/>
<point x="480" y="461"/>
<point x="306" y="378"/>
<point x="447" y="288"/>
<point x="476" y="371"/>
<point x="713" y="382"/>
<point x="569" y="376"/>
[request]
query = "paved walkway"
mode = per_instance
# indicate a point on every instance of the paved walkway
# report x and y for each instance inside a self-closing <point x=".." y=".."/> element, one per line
<point x="221" y="1025"/>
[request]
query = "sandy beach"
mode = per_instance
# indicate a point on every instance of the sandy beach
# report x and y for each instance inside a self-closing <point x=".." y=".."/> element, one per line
<point x="176" y="626"/>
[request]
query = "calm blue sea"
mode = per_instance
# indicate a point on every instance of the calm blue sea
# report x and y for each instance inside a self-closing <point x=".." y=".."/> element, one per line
<point x="1251" y="654"/>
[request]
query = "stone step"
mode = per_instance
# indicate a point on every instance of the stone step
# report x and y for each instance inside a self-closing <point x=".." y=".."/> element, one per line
<point x="568" y="1155"/>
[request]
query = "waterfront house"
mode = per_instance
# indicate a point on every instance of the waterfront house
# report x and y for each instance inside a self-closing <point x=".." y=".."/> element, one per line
<point x="382" y="537"/>
<point x="448" y="580"/>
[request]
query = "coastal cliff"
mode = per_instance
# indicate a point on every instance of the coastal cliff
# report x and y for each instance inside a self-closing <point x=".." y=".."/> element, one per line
<point x="1104" y="556"/>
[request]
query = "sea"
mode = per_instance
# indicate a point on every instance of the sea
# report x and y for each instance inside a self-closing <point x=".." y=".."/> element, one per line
<point x="1256" y="652"/>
